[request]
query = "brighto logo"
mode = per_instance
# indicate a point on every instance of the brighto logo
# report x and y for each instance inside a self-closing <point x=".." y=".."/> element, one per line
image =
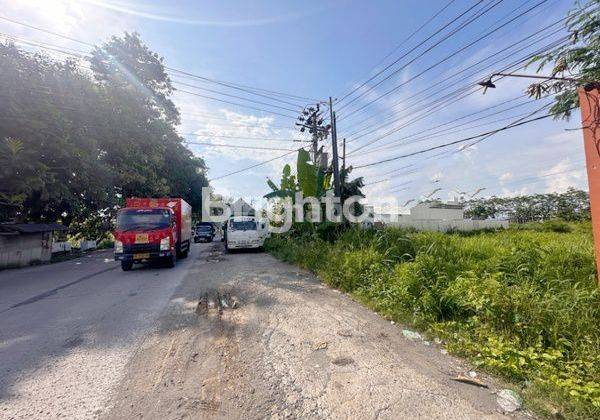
<point x="282" y="212"/>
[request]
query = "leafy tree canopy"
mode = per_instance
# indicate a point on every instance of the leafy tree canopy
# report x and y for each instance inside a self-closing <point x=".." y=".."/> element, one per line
<point x="74" y="143"/>
<point x="579" y="58"/>
<point x="571" y="205"/>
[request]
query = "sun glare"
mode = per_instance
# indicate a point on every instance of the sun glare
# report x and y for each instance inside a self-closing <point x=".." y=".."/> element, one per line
<point x="63" y="15"/>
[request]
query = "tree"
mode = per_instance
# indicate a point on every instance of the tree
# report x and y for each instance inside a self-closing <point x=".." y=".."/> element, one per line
<point x="578" y="59"/>
<point x="351" y="189"/>
<point x="84" y="140"/>
<point x="127" y="63"/>
<point x="572" y="205"/>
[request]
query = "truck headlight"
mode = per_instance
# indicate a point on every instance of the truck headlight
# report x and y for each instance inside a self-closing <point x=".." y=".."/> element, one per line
<point x="118" y="247"/>
<point x="165" y="244"/>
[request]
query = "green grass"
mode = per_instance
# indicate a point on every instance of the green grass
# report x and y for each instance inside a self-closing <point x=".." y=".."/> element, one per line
<point x="522" y="303"/>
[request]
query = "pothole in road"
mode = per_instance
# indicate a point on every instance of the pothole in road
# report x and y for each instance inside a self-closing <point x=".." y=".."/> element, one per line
<point x="216" y="301"/>
<point x="342" y="361"/>
<point x="72" y="342"/>
<point x="215" y="254"/>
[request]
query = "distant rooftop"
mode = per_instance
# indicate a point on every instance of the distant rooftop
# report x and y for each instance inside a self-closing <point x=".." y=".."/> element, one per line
<point x="8" y="228"/>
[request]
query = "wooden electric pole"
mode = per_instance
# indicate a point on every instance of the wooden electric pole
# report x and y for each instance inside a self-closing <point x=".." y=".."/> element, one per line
<point x="334" y="151"/>
<point x="344" y="155"/>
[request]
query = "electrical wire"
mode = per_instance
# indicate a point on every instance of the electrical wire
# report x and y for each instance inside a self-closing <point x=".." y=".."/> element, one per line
<point x="415" y="138"/>
<point x="236" y="146"/>
<point x="252" y="166"/>
<point x="444" y="81"/>
<point x="223" y="83"/>
<point x="394" y="50"/>
<point x="507" y="127"/>
<point x="440" y="41"/>
<point x="244" y="138"/>
<point x="455" y="53"/>
<point x="234" y="96"/>
<point x="436" y="105"/>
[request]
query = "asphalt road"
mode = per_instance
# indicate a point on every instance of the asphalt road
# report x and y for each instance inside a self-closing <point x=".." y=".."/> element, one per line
<point x="67" y="331"/>
<point x="220" y="336"/>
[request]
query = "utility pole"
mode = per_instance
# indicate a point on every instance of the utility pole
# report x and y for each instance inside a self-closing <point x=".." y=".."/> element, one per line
<point x="312" y="119"/>
<point x="334" y="151"/>
<point x="589" y="100"/>
<point x="315" y="137"/>
<point x="344" y="155"/>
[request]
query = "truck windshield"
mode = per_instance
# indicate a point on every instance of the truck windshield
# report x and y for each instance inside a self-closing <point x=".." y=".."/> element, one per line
<point x="243" y="225"/>
<point x="143" y="219"/>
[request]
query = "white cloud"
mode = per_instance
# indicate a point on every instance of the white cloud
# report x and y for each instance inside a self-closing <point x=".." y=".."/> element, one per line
<point x="562" y="176"/>
<point x="505" y="177"/>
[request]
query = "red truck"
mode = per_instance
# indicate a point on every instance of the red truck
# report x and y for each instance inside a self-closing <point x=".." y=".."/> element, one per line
<point x="153" y="229"/>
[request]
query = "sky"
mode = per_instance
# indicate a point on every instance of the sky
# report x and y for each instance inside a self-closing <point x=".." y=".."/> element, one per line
<point x="314" y="50"/>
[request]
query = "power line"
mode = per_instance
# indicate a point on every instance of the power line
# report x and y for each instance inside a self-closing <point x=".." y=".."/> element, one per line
<point x="395" y="88"/>
<point x="236" y="146"/>
<point x="414" y="138"/>
<point x="232" y="123"/>
<point x="233" y="96"/>
<point x="455" y="142"/>
<point x="470" y="67"/>
<point x="455" y="31"/>
<point x="212" y="98"/>
<point x="297" y="106"/>
<point x="245" y="138"/>
<point x="252" y="166"/>
<point x="438" y="104"/>
<point x="240" y="86"/>
<point x="223" y="83"/>
<point x="395" y="49"/>
<point x="223" y="100"/>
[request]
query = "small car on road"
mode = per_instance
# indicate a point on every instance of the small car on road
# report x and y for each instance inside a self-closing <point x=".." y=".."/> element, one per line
<point x="204" y="232"/>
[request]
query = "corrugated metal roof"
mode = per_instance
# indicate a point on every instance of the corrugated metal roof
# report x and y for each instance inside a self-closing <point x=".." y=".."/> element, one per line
<point x="31" y="227"/>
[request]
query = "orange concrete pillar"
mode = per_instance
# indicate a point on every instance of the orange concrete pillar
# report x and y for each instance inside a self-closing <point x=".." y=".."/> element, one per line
<point x="589" y="101"/>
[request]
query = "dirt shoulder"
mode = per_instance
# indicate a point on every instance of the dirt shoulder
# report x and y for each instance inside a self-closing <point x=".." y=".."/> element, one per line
<point x="247" y="336"/>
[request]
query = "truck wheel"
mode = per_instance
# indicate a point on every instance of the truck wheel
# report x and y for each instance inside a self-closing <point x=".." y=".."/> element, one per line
<point x="183" y="254"/>
<point x="126" y="265"/>
<point x="172" y="260"/>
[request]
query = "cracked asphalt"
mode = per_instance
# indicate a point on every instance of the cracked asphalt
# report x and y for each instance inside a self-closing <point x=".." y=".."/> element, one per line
<point x="237" y="335"/>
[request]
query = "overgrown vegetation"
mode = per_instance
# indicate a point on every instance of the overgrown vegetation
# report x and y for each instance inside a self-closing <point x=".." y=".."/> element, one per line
<point x="77" y="136"/>
<point x="522" y="303"/>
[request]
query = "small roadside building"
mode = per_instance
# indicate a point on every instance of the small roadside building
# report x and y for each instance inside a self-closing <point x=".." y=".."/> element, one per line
<point x="26" y="243"/>
<point x="241" y="208"/>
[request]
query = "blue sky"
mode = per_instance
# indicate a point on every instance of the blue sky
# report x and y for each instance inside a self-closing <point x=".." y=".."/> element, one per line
<point x="317" y="49"/>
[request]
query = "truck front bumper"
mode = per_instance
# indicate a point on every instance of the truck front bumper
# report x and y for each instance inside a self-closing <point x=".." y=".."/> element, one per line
<point x="243" y="246"/>
<point x="142" y="256"/>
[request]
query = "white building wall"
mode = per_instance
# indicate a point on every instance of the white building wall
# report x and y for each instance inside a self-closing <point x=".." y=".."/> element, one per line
<point x="424" y="212"/>
<point x="22" y="249"/>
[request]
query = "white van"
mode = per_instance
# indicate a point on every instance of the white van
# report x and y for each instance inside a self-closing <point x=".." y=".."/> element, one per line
<point x="245" y="232"/>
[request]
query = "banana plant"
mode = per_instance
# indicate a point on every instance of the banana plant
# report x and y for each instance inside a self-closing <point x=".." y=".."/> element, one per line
<point x="288" y="186"/>
<point x="313" y="181"/>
